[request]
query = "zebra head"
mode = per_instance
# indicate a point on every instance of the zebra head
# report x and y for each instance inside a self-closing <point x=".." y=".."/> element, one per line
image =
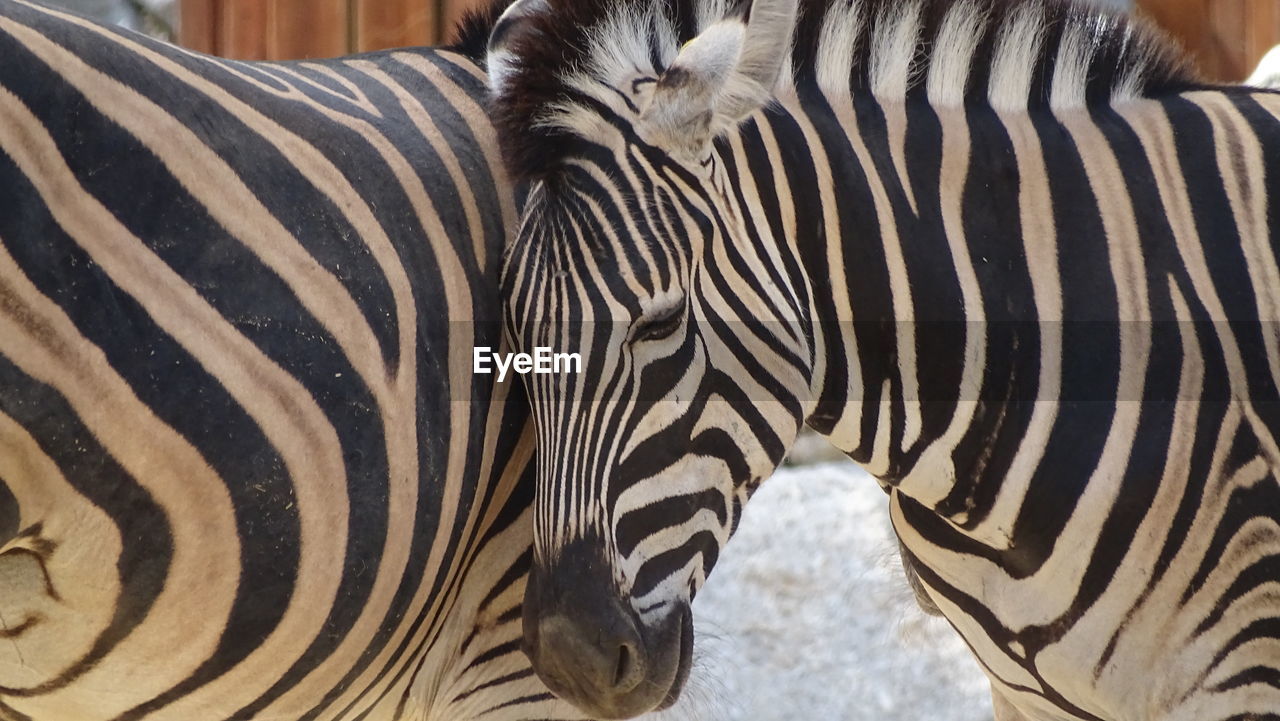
<point x="631" y="253"/>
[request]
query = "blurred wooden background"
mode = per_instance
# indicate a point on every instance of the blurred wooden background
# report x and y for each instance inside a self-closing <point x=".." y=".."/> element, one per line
<point x="291" y="29"/>
<point x="1227" y="37"/>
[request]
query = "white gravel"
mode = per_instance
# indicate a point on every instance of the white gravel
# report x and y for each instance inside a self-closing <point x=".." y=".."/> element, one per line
<point x="808" y="617"/>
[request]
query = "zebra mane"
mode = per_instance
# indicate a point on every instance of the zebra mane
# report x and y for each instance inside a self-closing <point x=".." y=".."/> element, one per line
<point x="1014" y="55"/>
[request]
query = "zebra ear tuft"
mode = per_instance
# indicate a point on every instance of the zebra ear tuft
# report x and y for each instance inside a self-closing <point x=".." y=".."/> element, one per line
<point x="513" y="23"/>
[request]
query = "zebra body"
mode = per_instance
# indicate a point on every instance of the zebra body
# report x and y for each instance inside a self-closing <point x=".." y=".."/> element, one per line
<point x="1009" y="256"/>
<point x="245" y="469"/>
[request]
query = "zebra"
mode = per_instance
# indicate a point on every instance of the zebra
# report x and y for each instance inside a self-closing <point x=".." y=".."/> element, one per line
<point x="245" y="469"/>
<point x="1012" y="256"/>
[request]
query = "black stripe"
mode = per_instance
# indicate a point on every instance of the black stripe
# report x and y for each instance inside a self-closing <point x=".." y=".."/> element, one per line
<point x="1090" y="357"/>
<point x="866" y="268"/>
<point x="10" y="513"/>
<point x="1010" y="381"/>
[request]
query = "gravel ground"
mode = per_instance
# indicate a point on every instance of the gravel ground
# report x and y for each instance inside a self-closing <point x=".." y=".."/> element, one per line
<point x="808" y="617"/>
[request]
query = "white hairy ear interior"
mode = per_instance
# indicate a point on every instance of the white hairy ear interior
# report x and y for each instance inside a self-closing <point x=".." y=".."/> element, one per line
<point x="498" y="56"/>
<point x="681" y="110"/>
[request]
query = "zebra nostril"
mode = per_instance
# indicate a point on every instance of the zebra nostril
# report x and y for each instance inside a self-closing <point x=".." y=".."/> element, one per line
<point x="626" y="674"/>
<point x="604" y="659"/>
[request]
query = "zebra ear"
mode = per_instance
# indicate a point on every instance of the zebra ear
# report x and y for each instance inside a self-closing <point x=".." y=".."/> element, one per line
<point x="511" y="24"/>
<point x="683" y="105"/>
<point x="722" y="76"/>
<point x="765" y="52"/>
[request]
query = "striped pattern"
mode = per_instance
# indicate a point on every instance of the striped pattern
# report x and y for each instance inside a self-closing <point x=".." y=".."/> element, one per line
<point x="1036" y="300"/>
<point x="245" y="469"/>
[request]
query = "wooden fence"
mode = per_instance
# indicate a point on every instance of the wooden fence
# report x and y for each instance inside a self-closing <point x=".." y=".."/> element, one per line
<point x="292" y="29"/>
<point x="1227" y="37"/>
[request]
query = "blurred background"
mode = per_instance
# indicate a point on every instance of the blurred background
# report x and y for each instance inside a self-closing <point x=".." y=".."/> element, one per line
<point x="808" y="616"/>
<point x="1226" y="37"/>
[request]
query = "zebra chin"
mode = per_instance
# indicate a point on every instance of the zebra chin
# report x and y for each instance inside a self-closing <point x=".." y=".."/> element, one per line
<point x="590" y="647"/>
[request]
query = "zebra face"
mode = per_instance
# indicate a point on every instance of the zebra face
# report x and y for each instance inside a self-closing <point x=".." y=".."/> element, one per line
<point x="646" y="456"/>
<point x="629" y="254"/>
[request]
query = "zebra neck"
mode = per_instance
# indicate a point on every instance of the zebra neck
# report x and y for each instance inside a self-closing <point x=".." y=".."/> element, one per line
<point x="874" y="216"/>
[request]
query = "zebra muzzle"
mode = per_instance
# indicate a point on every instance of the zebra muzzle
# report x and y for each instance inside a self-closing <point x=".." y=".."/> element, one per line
<point x="591" y="649"/>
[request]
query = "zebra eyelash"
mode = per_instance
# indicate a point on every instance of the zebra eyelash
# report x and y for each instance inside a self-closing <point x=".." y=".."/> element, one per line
<point x="660" y="326"/>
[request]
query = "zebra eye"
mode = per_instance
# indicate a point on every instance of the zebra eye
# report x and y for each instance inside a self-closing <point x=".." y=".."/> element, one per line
<point x="659" y="326"/>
